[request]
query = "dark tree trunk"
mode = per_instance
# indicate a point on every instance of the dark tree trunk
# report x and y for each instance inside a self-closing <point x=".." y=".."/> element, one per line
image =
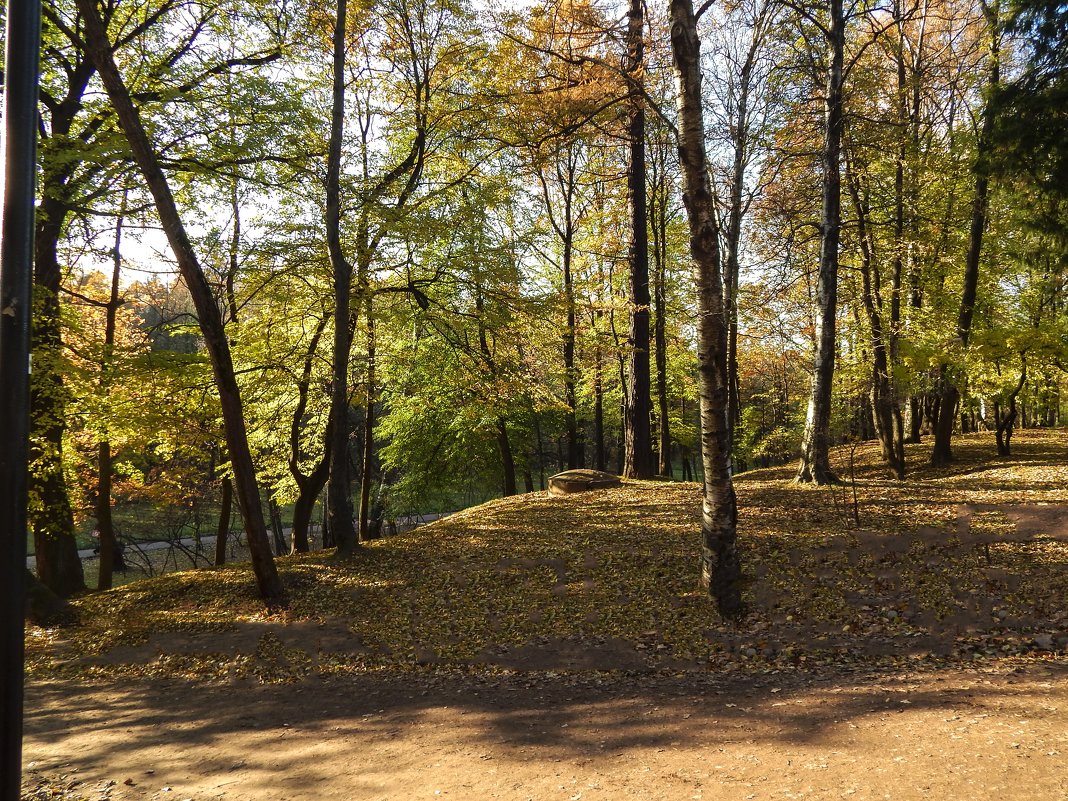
<point x="945" y="420"/>
<point x="328" y="535"/>
<point x="541" y="449"/>
<point x="638" y="462"/>
<point x="942" y="452"/>
<point x="507" y="462"/>
<point x="304" y="506"/>
<point x="508" y="484"/>
<point x="886" y="414"/>
<point x="211" y="325"/>
<point x="720" y="565"/>
<point x="600" y="462"/>
<point x="339" y="497"/>
<point x="815" y="464"/>
<point x="574" y="439"/>
<point x="660" y="234"/>
<point x="280" y="546"/>
<point x="110" y="553"/>
<point x="664" y="447"/>
<point x="736" y="209"/>
<point x="52" y="520"/>
<point x="222" y="531"/>
<point x="916" y="413"/>
<point x="367" y="471"/>
<point x="309" y="485"/>
<point x="58" y="564"/>
<point x="1003" y="424"/>
<point x="564" y="225"/>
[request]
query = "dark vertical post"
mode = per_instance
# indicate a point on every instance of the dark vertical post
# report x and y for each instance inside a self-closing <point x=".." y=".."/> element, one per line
<point x="23" y="38"/>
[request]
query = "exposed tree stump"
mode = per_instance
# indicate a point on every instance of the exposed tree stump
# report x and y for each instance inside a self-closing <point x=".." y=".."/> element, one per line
<point x="572" y="481"/>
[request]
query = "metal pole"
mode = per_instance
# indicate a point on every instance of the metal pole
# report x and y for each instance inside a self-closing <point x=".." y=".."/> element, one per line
<point x="16" y="276"/>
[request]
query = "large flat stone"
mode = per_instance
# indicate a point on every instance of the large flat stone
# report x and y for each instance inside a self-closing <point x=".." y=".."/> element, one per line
<point x="572" y="481"/>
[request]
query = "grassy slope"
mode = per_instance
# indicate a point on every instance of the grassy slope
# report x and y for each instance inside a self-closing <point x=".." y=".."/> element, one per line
<point x="909" y="584"/>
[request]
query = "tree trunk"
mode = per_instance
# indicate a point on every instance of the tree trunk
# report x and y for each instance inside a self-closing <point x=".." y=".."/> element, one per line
<point x="815" y="464"/>
<point x="105" y="527"/>
<point x="507" y="462"/>
<point x="368" y="461"/>
<point x="211" y="325"/>
<point x="638" y="462"/>
<point x="886" y="415"/>
<point x="303" y="507"/>
<point x="915" y="421"/>
<point x="1004" y="424"/>
<point x="51" y="516"/>
<point x="311" y="484"/>
<point x="599" y="459"/>
<point x="280" y="545"/>
<point x="339" y="497"/>
<point x="720" y="566"/>
<point x="222" y="531"/>
<point x="574" y="441"/>
<point x="942" y="452"/>
<point x="110" y="555"/>
<point x="740" y="125"/>
<point x="660" y="234"/>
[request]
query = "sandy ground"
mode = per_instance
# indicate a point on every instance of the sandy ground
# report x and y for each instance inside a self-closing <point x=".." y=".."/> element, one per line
<point x="995" y="733"/>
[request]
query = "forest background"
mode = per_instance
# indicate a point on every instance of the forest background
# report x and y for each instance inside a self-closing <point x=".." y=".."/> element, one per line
<point x="426" y="253"/>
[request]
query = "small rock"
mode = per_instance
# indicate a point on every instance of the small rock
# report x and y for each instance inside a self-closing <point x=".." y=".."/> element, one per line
<point x="1043" y="641"/>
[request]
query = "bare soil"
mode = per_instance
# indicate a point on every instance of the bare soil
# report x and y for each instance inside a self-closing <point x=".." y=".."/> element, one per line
<point x="983" y="734"/>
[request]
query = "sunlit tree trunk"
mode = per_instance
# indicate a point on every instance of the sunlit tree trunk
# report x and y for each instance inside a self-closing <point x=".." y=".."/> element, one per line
<point x="720" y="566"/>
<point x="815" y="464"/>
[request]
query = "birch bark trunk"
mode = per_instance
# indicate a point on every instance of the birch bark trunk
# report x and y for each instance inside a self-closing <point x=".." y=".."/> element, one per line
<point x="720" y="566"/>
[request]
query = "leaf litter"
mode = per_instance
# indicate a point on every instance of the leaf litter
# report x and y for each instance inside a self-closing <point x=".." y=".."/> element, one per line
<point x="940" y="570"/>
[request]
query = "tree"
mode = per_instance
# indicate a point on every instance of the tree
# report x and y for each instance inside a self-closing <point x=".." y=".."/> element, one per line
<point x="815" y="464"/>
<point x="720" y="566"/>
<point x="100" y="50"/>
<point x="941" y="453"/>
<point x="745" y="106"/>
<point x="638" y="461"/>
<point x="339" y="499"/>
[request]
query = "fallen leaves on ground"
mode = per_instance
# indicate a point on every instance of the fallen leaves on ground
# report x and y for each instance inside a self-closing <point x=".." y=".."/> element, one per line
<point x="939" y="570"/>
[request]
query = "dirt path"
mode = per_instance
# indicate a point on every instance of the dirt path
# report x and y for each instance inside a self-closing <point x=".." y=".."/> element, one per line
<point x="590" y="736"/>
